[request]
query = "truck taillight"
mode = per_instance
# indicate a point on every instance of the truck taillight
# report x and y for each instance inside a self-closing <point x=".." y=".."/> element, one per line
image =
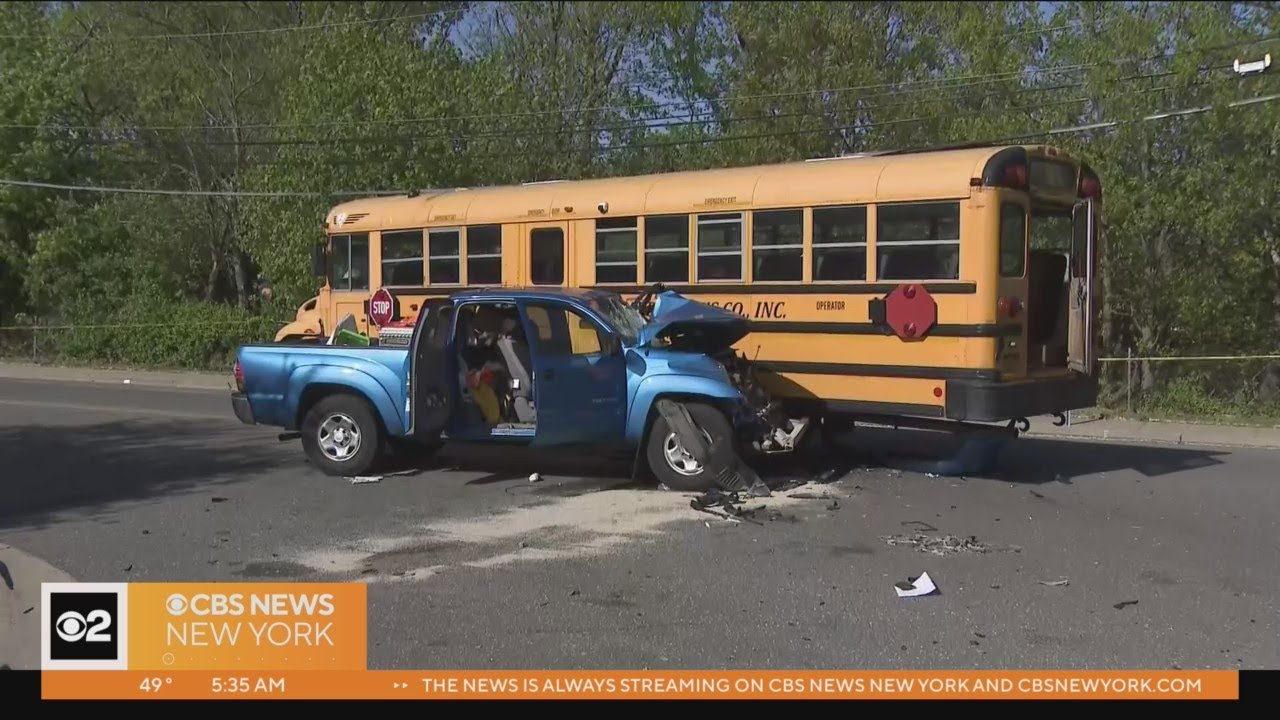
<point x="239" y="377"/>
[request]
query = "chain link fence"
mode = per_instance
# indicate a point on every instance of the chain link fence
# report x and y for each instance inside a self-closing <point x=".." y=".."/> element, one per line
<point x="208" y="345"/>
<point x="1216" y="387"/>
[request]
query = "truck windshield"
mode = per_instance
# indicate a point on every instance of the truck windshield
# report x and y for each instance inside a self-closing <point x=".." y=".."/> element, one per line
<point x="626" y="321"/>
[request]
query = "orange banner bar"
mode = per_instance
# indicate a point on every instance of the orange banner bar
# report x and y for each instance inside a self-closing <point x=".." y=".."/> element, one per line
<point x="641" y="685"/>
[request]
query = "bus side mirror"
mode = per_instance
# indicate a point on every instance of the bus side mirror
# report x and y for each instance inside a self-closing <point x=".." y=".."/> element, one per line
<point x="319" y="261"/>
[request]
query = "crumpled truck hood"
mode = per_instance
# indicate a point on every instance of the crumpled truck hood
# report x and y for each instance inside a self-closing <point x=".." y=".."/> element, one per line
<point x="692" y="325"/>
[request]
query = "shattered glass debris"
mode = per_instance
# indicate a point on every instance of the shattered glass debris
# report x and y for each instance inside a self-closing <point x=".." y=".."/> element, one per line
<point x="938" y="544"/>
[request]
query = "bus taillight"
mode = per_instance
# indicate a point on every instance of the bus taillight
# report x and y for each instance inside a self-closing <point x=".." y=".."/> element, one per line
<point x="1090" y="187"/>
<point x="1010" y="307"/>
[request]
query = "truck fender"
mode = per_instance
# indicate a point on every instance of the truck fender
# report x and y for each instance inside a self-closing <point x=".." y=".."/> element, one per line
<point x="347" y="379"/>
<point x="676" y="387"/>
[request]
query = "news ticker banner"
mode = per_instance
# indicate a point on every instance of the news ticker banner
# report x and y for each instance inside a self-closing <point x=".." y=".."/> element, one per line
<point x="308" y="641"/>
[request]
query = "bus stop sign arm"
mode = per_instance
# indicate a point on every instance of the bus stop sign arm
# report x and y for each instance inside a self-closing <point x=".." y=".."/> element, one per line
<point x="909" y="311"/>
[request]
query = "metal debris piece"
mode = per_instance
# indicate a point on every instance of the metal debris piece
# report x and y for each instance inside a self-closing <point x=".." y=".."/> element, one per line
<point x="938" y="545"/>
<point x="759" y="489"/>
<point x="1124" y="604"/>
<point x="835" y="505"/>
<point x="535" y="477"/>
<point x="919" y="525"/>
<point x="1055" y="583"/>
<point x="363" y="479"/>
<point x="217" y="499"/>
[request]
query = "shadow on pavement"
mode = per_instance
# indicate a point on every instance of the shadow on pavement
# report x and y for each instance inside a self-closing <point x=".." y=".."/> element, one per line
<point x="1040" y="460"/>
<point x="518" y="463"/>
<point x="51" y="471"/>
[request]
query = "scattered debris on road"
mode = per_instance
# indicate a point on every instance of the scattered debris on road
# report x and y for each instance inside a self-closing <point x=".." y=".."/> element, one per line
<point x="364" y="479"/>
<point x="915" y="586"/>
<point x="937" y="545"/>
<point x="535" y="477"/>
<point x="835" y="505"/>
<point x="217" y="499"/>
<point x="1124" y="604"/>
<point x="1055" y="583"/>
<point x="731" y="502"/>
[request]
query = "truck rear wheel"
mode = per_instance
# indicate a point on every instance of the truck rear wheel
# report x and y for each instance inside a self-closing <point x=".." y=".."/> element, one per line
<point x="342" y="436"/>
<point x="672" y="464"/>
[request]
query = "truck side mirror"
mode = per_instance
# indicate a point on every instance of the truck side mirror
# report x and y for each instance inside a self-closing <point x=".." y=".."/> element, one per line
<point x="319" y="261"/>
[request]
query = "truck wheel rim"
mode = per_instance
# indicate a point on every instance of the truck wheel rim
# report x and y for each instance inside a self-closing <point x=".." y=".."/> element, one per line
<point x="339" y="437"/>
<point x="680" y="459"/>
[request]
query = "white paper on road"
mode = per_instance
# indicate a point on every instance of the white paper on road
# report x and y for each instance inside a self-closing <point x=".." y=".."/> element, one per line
<point x="920" y="587"/>
<point x="361" y="479"/>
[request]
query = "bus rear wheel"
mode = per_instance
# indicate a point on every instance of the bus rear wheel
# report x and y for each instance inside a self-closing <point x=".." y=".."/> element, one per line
<point x="672" y="464"/>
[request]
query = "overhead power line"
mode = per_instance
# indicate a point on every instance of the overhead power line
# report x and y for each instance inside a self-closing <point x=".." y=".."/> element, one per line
<point x="368" y="193"/>
<point x="944" y="84"/>
<point x="255" y="31"/>
<point x="196" y="193"/>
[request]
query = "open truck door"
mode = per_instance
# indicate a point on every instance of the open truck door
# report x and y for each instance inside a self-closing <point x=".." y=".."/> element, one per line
<point x="1080" y="342"/>
<point x="430" y="389"/>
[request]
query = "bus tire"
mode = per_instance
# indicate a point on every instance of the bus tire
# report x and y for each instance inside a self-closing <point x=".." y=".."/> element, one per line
<point x="673" y="466"/>
<point x="342" y="436"/>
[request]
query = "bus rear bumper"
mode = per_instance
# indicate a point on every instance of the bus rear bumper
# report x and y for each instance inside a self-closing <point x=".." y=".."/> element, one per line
<point x="996" y="401"/>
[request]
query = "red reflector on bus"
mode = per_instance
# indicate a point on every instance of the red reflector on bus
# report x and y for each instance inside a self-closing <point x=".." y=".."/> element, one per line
<point x="937" y="392"/>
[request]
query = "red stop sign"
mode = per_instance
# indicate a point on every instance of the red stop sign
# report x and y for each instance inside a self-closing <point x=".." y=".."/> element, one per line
<point x="382" y="307"/>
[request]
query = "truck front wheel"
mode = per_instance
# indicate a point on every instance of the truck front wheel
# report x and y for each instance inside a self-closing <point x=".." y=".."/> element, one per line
<point x="341" y="435"/>
<point x="672" y="463"/>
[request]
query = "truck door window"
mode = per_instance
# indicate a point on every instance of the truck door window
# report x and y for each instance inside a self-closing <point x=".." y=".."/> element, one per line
<point x="561" y="331"/>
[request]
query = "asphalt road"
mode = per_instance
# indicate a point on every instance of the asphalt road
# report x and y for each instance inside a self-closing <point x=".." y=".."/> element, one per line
<point x="470" y="565"/>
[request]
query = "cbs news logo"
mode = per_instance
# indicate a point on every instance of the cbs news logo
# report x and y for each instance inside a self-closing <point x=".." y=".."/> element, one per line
<point x="83" y="626"/>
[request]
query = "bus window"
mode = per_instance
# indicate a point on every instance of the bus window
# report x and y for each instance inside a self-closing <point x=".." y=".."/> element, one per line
<point x="666" y="249"/>
<point x="546" y="256"/>
<point x="918" y="241"/>
<point x="840" y="243"/>
<point x="616" y="250"/>
<point x="402" y="258"/>
<point x="350" y="267"/>
<point x="1013" y="240"/>
<point x="777" y="245"/>
<point x="444" y="264"/>
<point x="720" y="246"/>
<point x="484" y="255"/>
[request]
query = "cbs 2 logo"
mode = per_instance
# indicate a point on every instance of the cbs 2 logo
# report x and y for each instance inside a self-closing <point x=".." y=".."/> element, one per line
<point x="71" y="626"/>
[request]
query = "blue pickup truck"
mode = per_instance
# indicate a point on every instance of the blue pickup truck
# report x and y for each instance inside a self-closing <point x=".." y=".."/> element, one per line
<point x="540" y="367"/>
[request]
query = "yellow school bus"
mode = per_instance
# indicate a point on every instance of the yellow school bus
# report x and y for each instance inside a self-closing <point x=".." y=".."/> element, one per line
<point x="951" y="284"/>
